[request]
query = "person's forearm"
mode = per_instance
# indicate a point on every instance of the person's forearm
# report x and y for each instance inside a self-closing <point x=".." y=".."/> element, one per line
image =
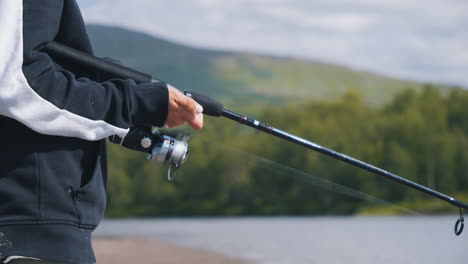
<point x="51" y="100"/>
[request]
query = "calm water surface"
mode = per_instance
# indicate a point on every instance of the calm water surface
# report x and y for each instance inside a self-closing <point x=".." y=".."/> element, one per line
<point x="301" y="240"/>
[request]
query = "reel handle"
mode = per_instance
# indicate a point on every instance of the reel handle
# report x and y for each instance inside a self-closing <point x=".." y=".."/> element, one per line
<point x="211" y="107"/>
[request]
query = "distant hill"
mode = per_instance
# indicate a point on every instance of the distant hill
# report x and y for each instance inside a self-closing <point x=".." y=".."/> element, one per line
<point x="240" y="77"/>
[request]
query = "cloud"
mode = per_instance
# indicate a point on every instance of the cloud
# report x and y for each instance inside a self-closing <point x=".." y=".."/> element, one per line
<point x="420" y="40"/>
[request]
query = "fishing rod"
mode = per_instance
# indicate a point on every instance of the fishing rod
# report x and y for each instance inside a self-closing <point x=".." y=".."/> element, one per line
<point x="214" y="108"/>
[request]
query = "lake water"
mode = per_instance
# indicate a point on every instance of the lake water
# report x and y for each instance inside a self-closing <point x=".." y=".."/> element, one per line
<point x="301" y="240"/>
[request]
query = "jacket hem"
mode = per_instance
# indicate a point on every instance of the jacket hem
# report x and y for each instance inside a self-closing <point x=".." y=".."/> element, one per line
<point x="55" y="242"/>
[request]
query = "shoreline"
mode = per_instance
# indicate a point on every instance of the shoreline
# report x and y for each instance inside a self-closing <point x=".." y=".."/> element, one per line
<point x="120" y="250"/>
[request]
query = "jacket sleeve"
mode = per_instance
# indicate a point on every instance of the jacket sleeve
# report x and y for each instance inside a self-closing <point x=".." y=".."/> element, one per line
<point x="52" y="100"/>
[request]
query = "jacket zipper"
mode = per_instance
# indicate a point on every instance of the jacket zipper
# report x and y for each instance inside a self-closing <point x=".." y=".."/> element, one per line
<point x="74" y="193"/>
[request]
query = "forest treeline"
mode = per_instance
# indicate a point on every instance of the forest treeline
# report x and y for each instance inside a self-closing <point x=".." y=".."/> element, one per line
<point x="235" y="170"/>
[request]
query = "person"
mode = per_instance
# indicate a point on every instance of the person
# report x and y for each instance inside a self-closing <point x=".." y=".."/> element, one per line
<point x="54" y="119"/>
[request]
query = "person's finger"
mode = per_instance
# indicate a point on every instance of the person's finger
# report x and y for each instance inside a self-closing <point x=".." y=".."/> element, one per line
<point x="197" y="122"/>
<point x="174" y="123"/>
<point x="189" y="104"/>
<point x="194" y="120"/>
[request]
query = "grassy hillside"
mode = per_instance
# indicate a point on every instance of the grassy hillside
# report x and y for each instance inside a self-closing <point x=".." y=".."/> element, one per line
<point x="240" y="77"/>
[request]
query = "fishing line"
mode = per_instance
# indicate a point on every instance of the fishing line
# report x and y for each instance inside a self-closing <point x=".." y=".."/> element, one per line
<point x="309" y="178"/>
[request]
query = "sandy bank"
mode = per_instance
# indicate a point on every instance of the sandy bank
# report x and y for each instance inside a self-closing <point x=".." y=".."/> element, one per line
<point x="135" y="250"/>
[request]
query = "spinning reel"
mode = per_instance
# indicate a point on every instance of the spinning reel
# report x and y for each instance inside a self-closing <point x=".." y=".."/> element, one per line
<point x="159" y="147"/>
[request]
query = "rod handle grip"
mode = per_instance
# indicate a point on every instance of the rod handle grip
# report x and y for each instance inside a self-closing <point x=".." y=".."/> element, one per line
<point x="210" y="106"/>
<point x="95" y="63"/>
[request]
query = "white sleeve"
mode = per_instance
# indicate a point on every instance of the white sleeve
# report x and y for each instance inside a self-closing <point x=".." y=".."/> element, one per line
<point x="19" y="101"/>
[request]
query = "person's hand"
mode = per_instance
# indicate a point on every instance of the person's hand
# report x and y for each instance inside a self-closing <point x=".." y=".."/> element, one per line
<point x="183" y="109"/>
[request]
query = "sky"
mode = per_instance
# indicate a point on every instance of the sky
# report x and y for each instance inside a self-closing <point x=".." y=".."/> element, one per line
<point x="422" y="40"/>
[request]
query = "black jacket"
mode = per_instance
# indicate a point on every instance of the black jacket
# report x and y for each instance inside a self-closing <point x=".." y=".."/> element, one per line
<point x="54" y="119"/>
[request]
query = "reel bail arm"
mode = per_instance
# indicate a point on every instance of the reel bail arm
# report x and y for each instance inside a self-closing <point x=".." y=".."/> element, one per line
<point x="460" y="223"/>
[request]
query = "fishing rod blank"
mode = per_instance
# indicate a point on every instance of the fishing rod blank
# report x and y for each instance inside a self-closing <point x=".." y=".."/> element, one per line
<point x="214" y="108"/>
